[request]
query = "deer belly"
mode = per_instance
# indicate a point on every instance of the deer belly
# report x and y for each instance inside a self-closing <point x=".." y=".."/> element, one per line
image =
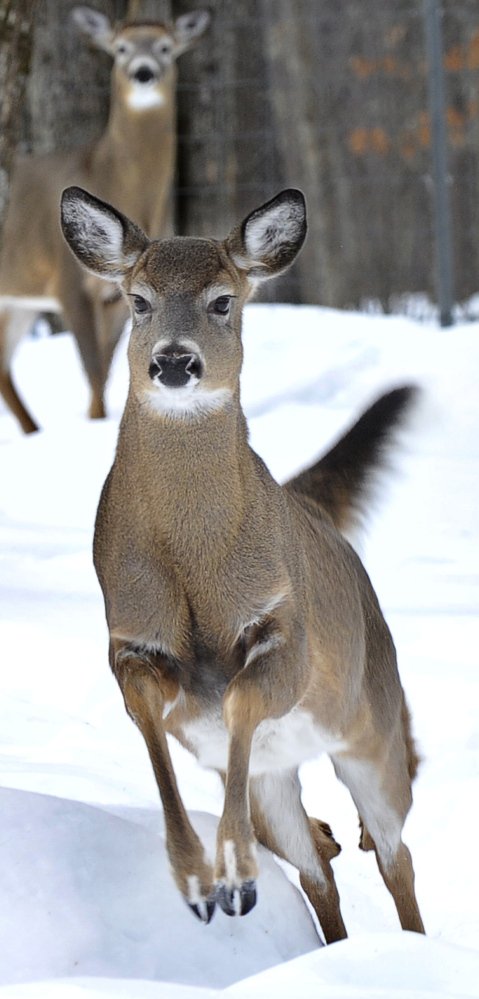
<point x="278" y="743"/>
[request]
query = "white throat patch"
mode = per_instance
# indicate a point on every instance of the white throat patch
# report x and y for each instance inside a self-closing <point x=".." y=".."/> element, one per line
<point x="186" y="402"/>
<point x="143" y="96"/>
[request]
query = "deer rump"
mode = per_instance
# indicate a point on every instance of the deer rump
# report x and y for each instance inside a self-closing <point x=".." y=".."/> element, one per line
<point x="240" y="619"/>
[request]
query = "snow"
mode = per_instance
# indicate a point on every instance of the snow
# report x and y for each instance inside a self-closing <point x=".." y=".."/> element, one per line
<point x="88" y="906"/>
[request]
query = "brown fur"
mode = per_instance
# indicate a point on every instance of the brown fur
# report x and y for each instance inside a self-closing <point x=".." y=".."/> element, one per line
<point x="240" y="620"/>
<point x="132" y="164"/>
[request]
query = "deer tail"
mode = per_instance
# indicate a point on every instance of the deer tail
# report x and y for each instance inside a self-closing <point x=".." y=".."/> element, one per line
<point x="342" y="481"/>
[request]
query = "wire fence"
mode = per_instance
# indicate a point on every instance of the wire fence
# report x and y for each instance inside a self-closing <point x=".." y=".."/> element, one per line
<point x="343" y="99"/>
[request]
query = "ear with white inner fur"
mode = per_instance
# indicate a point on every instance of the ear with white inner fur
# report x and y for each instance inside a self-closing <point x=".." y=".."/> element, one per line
<point x="270" y="238"/>
<point x="102" y="239"/>
<point x="188" y="28"/>
<point x="95" y="26"/>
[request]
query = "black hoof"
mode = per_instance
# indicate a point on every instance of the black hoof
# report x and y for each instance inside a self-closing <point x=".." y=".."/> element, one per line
<point x="203" y="910"/>
<point x="237" y="901"/>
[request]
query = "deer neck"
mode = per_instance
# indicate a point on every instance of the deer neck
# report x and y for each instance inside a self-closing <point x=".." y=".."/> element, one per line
<point x="134" y="117"/>
<point x="195" y="477"/>
<point x="135" y="156"/>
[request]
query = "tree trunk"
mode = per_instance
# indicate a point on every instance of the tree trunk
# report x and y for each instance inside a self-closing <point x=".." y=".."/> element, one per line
<point x="16" y="20"/>
<point x="68" y="91"/>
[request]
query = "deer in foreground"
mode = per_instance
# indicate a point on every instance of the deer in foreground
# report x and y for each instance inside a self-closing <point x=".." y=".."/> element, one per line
<point x="240" y="619"/>
<point x="132" y="164"/>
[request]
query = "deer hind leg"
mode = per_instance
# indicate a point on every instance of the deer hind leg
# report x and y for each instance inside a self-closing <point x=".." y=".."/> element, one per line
<point x="381" y="792"/>
<point x="282" y="825"/>
<point x="111" y="314"/>
<point x="14" y="324"/>
<point x="148" y="691"/>
<point x="79" y="314"/>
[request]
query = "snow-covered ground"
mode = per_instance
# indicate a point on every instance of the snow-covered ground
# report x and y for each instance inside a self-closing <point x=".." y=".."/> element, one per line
<point x="87" y="904"/>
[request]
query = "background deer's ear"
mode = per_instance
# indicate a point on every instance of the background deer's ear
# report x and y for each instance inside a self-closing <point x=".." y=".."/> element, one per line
<point x="188" y="28"/>
<point x="269" y="239"/>
<point x="95" y="26"/>
<point x="102" y="239"/>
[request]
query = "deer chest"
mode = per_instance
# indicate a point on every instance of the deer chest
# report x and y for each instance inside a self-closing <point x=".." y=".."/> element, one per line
<point x="278" y="744"/>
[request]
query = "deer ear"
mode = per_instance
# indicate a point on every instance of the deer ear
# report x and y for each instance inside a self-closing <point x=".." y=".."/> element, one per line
<point x="188" y="28"/>
<point x="95" y="26"/>
<point x="102" y="239"/>
<point x="269" y="239"/>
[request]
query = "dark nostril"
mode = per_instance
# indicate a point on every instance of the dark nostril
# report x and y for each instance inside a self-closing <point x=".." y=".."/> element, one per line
<point x="154" y="369"/>
<point x="175" y="370"/>
<point x="194" y="366"/>
<point x="144" y="74"/>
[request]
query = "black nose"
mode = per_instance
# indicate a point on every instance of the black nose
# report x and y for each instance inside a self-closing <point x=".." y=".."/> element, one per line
<point x="144" y="74"/>
<point x="175" y="370"/>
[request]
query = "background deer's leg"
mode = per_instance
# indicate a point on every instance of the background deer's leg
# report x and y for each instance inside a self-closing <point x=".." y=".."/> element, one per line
<point x="282" y="825"/>
<point x="147" y="692"/>
<point x="79" y="315"/>
<point x="14" y="324"/>
<point x="111" y="314"/>
<point x="381" y="791"/>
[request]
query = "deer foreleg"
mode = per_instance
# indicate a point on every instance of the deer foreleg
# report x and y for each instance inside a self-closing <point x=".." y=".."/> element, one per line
<point x="258" y="692"/>
<point x="148" y="692"/>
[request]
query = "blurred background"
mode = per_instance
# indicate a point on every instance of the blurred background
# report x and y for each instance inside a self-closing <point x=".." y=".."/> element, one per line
<point x="332" y="96"/>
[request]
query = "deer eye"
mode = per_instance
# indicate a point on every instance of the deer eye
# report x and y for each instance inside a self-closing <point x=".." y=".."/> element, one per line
<point x="140" y="305"/>
<point x="121" y="48"/>
<point x="221" y="305"/>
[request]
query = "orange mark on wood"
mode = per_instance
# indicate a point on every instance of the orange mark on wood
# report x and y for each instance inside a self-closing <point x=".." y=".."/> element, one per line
<point x="369" y="140"/>
<point x="363" y="67"/>
<point x="456" y="124"/>
<point x="466" y="56"/>
<point x="358" y="141"/>
<point x="380" y="141"/>
<point x="473" y="52"/>
<point x="408" y="147"/>
<point x="387" y="65"/>
<point x="423" y="130"/>
<point x="454" y="59"/>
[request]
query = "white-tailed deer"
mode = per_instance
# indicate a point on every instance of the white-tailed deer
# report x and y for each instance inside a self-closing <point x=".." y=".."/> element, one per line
<point x="131" y="164"/>
<point x="240" y="620"/>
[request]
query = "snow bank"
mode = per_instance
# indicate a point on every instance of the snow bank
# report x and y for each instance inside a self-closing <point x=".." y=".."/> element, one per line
<point x="88" y="906"/>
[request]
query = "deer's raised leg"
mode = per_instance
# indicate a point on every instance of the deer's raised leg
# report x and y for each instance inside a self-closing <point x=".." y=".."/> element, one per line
<point x="147" y="692"/>
<point x="256" y="693"/>
<point x="282" y="825"/>
<point x="381" y="791"/>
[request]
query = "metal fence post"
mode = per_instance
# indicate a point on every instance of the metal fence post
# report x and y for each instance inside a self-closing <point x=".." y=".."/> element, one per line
<point x="442" y="207"/>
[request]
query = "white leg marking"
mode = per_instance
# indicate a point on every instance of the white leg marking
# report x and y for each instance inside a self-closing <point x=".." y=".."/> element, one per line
<point x="279" y="798"/>
<point x="195" y="898"/>
<point x="381" y="820"/>
<point x="231" y="867"/>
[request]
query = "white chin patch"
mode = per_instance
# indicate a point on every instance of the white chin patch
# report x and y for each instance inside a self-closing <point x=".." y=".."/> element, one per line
<point x="187" y="401"/>
<point x="142" y="96"/>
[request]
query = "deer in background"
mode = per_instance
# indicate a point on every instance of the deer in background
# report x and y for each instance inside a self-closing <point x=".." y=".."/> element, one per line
<point x="132" y="164"/>
<point x="240" y="620"/>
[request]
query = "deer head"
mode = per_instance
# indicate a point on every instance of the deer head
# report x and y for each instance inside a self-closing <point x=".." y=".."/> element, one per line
<point x="186" y="295"/>
<point x="143" y="54"/>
